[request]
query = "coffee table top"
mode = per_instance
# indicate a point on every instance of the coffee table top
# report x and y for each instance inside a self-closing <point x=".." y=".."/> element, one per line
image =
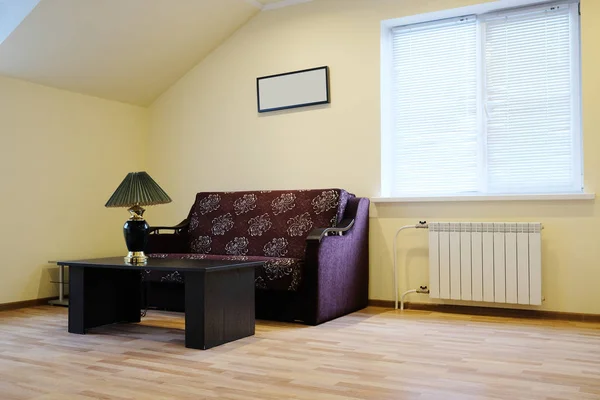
<point x="162" y="264"/>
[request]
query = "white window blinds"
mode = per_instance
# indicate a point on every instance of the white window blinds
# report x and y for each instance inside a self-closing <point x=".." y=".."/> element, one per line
<point x="435" y="108"/>
<point x="528" y="102"/>
<point x="487" y="104"/>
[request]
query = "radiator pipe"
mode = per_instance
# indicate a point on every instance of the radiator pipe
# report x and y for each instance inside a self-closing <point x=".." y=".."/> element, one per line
<point x="420" y="225"/>
<point x="404" y="294"/>
<point x="420" y="290"/>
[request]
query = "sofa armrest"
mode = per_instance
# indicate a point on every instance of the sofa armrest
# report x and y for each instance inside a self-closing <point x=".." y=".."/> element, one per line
<point x="319" y="233"/>
<point x="176" y="242"/>
<point x="176" y="229"/>
<point x="337" y="268"/>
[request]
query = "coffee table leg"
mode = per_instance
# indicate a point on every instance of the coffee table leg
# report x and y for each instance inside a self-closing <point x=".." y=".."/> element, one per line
<point x="102" y="296"/>
<point x="194" y="310"/>
<point x="76" y="304"/>
<point x="219" y="307"/>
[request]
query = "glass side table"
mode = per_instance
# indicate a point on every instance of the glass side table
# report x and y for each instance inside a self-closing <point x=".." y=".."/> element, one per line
<point x="62" y="300"/>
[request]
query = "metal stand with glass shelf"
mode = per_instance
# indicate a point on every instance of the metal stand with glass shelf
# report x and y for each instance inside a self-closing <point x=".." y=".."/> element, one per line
<point x="62" y="300"/>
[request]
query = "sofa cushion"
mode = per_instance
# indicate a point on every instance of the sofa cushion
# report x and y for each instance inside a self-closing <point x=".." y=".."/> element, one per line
<point x="271" y="224"/>
<point x="275" y="274"/>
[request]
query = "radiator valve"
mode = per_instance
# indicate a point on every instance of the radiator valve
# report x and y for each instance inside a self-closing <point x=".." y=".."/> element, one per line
<point x="423" y="289"/>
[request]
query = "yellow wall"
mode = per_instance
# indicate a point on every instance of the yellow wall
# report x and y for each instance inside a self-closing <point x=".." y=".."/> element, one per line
<point x="61" y="156"/>
<point x="205" y="134"/>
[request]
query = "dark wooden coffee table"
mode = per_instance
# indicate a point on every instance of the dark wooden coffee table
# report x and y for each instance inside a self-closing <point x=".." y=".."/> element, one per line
<point x="219" y="296"/>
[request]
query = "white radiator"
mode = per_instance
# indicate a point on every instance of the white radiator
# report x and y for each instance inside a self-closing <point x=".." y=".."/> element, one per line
<point x="479" y="261"/>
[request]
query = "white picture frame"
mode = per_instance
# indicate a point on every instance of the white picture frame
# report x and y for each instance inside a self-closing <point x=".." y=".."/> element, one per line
<point x="303" y="88"/>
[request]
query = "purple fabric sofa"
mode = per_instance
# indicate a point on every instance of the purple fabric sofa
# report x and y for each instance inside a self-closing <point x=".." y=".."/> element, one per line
<point x="314" y="244"/>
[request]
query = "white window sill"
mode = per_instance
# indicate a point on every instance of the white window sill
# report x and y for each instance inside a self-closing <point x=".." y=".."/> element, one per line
<point x="500" y="197"/>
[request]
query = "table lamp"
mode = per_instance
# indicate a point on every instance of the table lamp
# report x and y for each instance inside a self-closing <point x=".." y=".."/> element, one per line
<point x="138" y="189"/>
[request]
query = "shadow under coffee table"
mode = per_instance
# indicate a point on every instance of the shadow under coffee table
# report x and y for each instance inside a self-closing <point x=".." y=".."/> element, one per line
<point x="219" y="296"/>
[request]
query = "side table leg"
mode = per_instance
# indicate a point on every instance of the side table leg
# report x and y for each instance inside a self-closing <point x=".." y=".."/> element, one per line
<point x="61" y="283"/>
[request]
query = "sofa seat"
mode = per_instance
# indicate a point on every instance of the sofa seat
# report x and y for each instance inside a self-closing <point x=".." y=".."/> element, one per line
<point x="282" y="274"/>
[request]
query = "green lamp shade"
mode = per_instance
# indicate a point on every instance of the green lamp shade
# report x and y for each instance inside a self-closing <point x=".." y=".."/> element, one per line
<point x="138" y="189"/>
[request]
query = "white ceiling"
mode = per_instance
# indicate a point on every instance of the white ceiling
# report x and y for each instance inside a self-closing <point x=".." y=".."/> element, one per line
<point x="12" y="13"/>
<point x="124" y="50"/>
<point x="273" y="4"/>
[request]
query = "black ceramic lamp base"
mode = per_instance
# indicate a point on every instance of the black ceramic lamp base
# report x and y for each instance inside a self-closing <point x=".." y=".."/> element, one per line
<point x="136" y="237"/>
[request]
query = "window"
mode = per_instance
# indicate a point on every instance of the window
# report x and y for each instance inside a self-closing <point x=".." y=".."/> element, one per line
<point x="484" y="104"/>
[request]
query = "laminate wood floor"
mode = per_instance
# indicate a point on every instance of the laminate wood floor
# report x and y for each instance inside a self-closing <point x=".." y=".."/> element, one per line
<point x="373" y="354"/>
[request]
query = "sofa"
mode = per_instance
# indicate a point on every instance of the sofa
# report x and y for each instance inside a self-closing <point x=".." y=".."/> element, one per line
<point x="314" y="244"/>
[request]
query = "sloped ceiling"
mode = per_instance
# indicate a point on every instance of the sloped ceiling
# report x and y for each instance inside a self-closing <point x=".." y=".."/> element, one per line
<point x="125" y="50"/>
<point x="268" y="1"/>
<point x="274" y="4"/>
<point x="12" y="13"/>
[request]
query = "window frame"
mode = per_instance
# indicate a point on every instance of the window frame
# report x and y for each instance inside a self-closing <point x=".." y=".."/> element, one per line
<point x="481" y="12"/>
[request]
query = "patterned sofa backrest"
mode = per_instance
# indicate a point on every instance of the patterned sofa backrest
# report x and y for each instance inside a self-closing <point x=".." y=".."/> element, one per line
<point x="262" y="223"/>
